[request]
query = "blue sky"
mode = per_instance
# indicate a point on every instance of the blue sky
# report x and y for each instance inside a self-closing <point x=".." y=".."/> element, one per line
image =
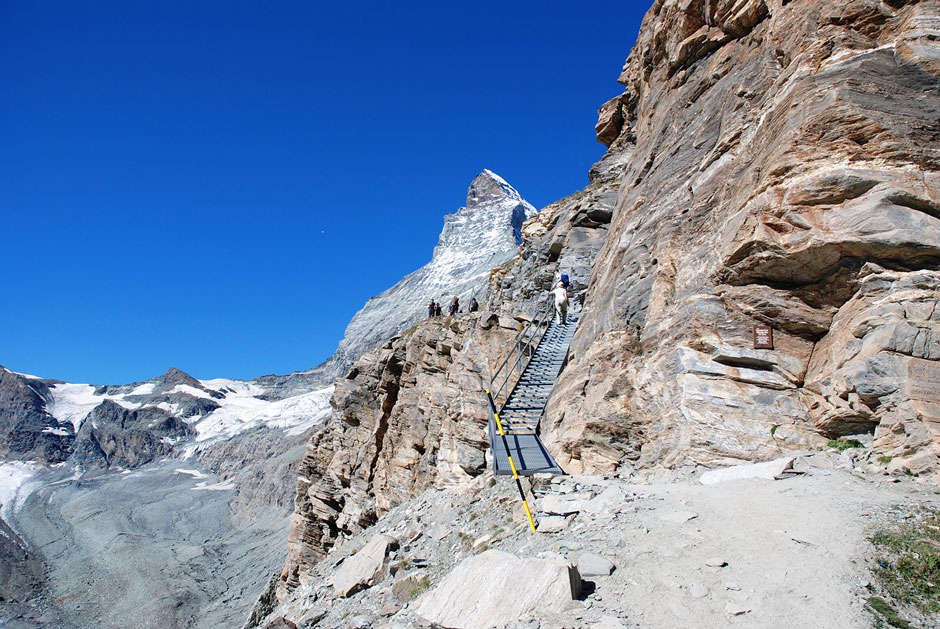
<point x="220" y="186"/>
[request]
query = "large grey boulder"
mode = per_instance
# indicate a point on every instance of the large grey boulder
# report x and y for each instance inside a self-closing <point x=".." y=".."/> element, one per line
<point x="593" y="565"/>
<point x="496" y="587"/>
<point x="769" y="470"/>
<point x="365" y="568"/>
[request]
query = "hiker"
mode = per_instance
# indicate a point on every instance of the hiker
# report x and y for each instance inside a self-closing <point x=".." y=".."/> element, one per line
<point x="431" y="308"/>
<point x="561" y="303"/>
<point x="474" y="306"/>
<point x="561" y="279"/>
<point x="437" y="308"/>
<point x="454" y="306"/>
<point x="559" y="292"/>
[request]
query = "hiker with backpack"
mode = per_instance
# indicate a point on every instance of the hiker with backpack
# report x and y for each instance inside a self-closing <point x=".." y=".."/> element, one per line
<point x="431" y="308"/>
<point x="454" y="306"/>
<point x="561" y="279"/>
<point x="474" y="305"/>
<point x="437" y="308"/>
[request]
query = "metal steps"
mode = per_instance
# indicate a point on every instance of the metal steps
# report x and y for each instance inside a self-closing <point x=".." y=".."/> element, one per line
<point x="523" y="408"/>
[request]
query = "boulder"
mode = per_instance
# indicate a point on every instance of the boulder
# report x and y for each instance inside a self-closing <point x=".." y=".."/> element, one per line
<point x="365" y="568"/>
<point x="554" y="523"/>
<point x="564" y="504"/>
<point x="591" y="565"/>
<point x="407" y="587"/>
<point x="495" y="588"/>
<point x="770" y="470"/>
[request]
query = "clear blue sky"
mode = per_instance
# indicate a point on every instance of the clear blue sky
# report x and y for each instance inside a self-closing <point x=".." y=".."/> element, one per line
<point x="220" y="186"/>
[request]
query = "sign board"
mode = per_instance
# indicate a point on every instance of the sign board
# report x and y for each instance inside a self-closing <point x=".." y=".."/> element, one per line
<point x="763" y="337"/>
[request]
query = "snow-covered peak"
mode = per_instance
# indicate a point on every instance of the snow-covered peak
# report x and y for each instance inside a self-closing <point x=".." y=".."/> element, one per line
<point x="490" y="187"/>
<point x="197" y="413"/>
<point x="475" y="238"/>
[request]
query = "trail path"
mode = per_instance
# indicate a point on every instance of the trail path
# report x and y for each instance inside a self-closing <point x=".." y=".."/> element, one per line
<point x="745" y="553"/>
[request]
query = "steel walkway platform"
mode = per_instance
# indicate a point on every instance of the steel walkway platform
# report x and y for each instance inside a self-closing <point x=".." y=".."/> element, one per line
<point x="539" y="359"/>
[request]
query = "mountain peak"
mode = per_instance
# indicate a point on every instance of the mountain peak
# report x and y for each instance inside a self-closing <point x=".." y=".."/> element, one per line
<point x="490" y="187"/>
<point x="475" y="238"/>
<point x="176" y="376"/>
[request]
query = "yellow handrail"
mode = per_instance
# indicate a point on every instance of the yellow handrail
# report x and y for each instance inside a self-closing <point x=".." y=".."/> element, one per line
<point x="512" y="465"/>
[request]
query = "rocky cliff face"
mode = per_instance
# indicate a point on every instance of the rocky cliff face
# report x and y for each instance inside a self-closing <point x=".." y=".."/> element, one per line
<point x="476" y="238"/>
<point x="784" y="170"/>
<point x="408" y="416"/>
<point x="27" y="430"/>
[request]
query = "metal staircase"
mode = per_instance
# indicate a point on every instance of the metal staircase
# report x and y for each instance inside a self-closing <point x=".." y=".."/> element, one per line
<point x="538" y="355"/>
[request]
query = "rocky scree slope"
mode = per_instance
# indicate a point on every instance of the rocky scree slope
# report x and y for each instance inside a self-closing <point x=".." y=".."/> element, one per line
<point x="475" y="238"/>
<point x="783" y="169"/>
<point x="650" y="548"/>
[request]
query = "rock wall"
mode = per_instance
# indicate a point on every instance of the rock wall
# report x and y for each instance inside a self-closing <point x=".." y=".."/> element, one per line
<point x="27" y="431"/>
<point x="783" y="169"/>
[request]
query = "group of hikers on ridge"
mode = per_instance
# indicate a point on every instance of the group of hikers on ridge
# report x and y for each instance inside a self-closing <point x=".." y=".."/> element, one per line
<point x="558" y="291"/>
<point x="435" y="310"/>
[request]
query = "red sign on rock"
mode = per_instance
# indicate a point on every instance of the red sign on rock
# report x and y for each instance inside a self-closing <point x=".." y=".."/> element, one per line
<point x="763" y="337"/>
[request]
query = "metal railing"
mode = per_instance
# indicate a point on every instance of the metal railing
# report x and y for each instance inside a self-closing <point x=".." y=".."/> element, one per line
<point x="521" y="354"/>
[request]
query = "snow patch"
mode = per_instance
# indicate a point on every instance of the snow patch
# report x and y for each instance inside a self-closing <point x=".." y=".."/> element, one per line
<point x="58" y="432"/>
<point x="205" y="486"/>
<point x="71" y="403"/>
<point x="242" y="411"/>
<point x="238" y="387"/>
<point x="193" y="473"/>
<point x="190" y="390"/>
<point x="12" y="477"/>
<point x="144" y="389"/>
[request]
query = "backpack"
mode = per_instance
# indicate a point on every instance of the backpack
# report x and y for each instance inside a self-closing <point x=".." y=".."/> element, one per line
<point x="564" y="280"/>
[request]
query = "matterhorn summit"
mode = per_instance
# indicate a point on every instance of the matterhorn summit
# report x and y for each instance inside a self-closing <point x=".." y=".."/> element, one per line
<point x="476" y="238"/>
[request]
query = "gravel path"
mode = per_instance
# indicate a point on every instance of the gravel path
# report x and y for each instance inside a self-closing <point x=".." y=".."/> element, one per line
<point x="744" y="553"/>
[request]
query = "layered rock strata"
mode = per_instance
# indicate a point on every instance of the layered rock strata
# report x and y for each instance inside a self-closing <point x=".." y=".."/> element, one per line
<point x="408" y="416"/>
<point x="783" y="170"/>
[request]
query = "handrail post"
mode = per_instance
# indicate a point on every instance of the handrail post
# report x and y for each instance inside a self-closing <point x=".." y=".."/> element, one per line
<point x="512" y="465"/>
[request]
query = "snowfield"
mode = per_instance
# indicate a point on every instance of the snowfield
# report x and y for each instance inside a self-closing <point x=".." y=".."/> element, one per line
<point x="242" y="411"/>
<point x="71" y="403"/>
<point x="241" y="408"/>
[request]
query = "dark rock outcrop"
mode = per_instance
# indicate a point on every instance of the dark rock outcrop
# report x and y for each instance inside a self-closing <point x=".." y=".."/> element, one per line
<point x="112" y="435"/>
<point x="27" y="431"/>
